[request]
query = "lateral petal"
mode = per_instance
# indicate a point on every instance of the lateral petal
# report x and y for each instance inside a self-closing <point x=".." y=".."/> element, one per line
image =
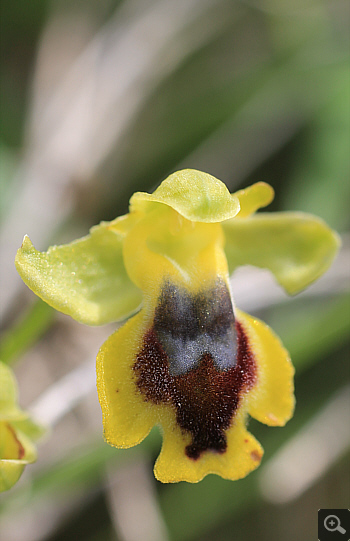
<point x="271" y="400"/>
<point x="127" y="418"/>
<point x="253" y="198"/>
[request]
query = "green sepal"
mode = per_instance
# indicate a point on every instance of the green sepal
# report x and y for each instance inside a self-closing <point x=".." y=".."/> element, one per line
<point x="85" y="279"/>
<point x="10" y="472"/>
<point x="197" y="196"/>
<point x="296" y="247"/>
<point x="9" y="409"/>
<point x="30" y="428"/>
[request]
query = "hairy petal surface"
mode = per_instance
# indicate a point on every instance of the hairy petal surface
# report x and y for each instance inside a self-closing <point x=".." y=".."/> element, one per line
<point x="296" y="247"/>
<point x="127" y="419"/>
<point x="271" y="400"/>
<point x="137" y="390"/>
<point x="243" y="455"/>
<point x="85" y="279"/>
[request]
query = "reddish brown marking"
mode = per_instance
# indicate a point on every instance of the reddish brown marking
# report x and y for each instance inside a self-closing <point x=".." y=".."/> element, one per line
<point x="205" y="398"/>
<point x="256" y="455"/>
<point x="21" y="450"/>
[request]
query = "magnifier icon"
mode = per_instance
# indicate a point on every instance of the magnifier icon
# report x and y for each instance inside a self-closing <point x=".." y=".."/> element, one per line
<point x="332" y="524"/>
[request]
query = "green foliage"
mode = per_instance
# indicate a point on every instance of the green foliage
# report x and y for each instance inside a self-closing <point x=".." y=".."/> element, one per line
<point x="26" y="331"/>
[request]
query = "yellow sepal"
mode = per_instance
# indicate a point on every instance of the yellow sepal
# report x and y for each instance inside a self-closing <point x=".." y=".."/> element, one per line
<point x="271" y="400"/>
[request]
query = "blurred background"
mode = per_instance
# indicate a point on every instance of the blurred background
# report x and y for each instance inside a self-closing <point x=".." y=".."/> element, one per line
<point x="101" y="98"/>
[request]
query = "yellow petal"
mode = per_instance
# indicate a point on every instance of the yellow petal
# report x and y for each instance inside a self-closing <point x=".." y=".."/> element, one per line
<point x="143" y="380"/>
<point x="253" y="198"/>
<point x="271" y="400"/>
<point x="16" y="450"/>
<point x="10" y="445"/>
<point x="242" y="456"/>
<point x="127" y="418"/>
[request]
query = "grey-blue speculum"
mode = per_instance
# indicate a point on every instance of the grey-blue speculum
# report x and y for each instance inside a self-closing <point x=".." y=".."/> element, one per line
<point x="191" y="325"/>
<point x="196" y="356"/>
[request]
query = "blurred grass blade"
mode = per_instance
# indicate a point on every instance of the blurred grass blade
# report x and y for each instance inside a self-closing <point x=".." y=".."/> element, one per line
<point x="26" y="331"/>
<point x="310" y="453"/>
<point x="324" y="159"/>
<point x="318" y="332"/>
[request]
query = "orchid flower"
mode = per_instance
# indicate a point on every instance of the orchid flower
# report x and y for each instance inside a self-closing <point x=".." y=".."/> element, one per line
<point x="188" y="360"/>
<point x="17" y="432"/>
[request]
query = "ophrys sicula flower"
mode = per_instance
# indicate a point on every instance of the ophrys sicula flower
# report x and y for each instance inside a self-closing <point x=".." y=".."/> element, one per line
<point x="17" y="432"/>
<point x="188" y="360"/>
